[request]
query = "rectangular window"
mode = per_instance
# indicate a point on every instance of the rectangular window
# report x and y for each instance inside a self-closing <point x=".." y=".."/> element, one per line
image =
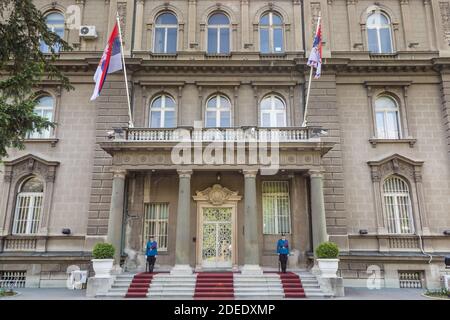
<point x="278" y="40"/>
<point x="156" y="221"/>
<point x="264" y="40"/>
<point x="224" y="40"/>
<point x="385" y="39"/>
<point x="171" y="40"/>
<point x="212" y="40"/>
<point x="373" y="40"/>
<point x="160" y="37"/>
<point x="276" y="207"/>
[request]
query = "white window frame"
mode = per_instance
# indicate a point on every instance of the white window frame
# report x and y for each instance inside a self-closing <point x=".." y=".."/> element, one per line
<point x="397" y="209"/>
<point x="271" y="27"/>
<point x="158" y="221"/>
<point x="273" y="112"/>
<point x="27" y="219"/>
<point x="163" y="109"/>
<point x="378" y="27"/>
<point x="165" y="27"/>
<point x="218" y="109"/>
<point x="271" y="217"/>
<point x="40" y="111"/>
<point x="385" y="112"/>
<point x="218" y="27"/>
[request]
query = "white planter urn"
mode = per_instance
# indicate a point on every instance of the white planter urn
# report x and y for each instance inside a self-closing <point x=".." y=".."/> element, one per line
<point x="328" y="267"/>
<point x="102" y="267"/>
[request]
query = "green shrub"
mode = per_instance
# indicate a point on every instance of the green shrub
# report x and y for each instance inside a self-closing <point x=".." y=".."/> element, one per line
<point x="327" y="250"/>
<point x="103" y="251"/>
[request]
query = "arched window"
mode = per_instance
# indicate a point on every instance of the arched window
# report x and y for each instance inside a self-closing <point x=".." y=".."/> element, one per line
<point x="55" y="23"/>
<point x="397" y="205"/>
<point x="379" y="33"/>
<point x="218" y="34"/>
<point x="218" y="112"/>
<point x="28" y="206"/>
<point x="44" y="108"/>
<point x="387" y="118"/>
<point x="166" y="29"/>
<point x="162" y="112"/>
<point x="271" y="33"/>
<point x="273" y="111"/>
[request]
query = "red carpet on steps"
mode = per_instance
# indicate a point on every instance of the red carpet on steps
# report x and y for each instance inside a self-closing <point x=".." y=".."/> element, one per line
<point x="214" y="285"/>
<point x="292" y="285"/>
<point x="139" y="285"/>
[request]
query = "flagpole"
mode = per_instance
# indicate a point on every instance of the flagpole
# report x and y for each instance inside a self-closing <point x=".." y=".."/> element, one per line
<point x="309" y="83"/>
<point x="307" y="98"/>
<point x="130" y="122"/>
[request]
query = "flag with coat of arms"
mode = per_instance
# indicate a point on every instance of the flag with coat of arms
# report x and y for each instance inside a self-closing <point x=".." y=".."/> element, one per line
<point x="110" y="62"/>
<point x="315" y="57"/>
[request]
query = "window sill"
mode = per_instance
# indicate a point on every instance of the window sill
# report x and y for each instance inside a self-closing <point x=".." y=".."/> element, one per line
<point x="52" y="141"/>
<point x="383" y="56"/>
<point x="275" y="55"/>
<point x="375" y="141"/>
<point x="163" y="55"/>
<point x="218" y="55"/>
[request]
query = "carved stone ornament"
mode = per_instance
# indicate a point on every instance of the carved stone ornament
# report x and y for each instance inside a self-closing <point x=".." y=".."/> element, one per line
<point x="396" y="164"/>
<point x="217" y="195"/>
<point x="30" y="164"/>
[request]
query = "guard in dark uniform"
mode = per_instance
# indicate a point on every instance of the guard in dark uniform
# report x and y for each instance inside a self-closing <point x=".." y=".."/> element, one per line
<point x="151" y="252"/>
<point x="283" y="252"/>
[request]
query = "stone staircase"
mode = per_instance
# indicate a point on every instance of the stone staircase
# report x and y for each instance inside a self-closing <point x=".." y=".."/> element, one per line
<point x="168" y="286"/>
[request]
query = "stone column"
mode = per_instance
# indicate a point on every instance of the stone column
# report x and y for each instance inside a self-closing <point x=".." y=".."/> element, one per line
<point x="183" y="243"/>
<point x="251" y="265"/>
<point x="116" y="213"/>
<point x="318" y="220"/>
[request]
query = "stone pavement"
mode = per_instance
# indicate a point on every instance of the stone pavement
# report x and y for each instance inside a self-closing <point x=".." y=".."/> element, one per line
<point x="351" y="294"/>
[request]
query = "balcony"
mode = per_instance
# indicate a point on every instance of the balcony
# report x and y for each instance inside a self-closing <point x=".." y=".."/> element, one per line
<point x="299" y="148"/>
<point x="242" y="134"/>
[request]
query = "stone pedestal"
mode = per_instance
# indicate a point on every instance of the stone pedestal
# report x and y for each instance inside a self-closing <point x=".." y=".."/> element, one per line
<point x="96" y="286"/>
<point x="332" y="286"/>
<point x="181" y="269"/>
<point x="251" y="269"/>
<point x="293" y="259"/>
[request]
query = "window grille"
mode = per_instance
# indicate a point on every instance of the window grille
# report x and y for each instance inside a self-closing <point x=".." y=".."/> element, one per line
<point x="397" y="205"/>
<point x="276" y="207"/>
<point x="28" y="207"/>
<point x="156" y="224"/>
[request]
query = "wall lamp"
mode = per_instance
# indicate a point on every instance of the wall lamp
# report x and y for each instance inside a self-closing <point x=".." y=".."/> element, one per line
<point x="447" y="232"/>
<point x="66" y="231"/>
<point x="363" y="232"/>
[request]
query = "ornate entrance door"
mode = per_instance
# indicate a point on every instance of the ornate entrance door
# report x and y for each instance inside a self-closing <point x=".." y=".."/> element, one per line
<point x="216" y="242"/>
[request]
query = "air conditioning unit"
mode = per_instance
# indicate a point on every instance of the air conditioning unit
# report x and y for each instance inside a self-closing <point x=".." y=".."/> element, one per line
<point x="88" y="32"/>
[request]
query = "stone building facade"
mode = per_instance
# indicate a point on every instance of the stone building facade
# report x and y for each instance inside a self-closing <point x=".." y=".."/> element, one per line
<point x="371" y="171"/>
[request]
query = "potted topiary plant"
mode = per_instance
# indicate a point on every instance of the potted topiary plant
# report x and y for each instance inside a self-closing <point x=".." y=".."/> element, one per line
<point x="327" y="257"/>
<point x="103" y="259"/>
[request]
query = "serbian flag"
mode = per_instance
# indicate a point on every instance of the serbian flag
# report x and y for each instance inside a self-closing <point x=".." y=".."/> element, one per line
<point x="110" y="62"/>
<point x="315" y="57"/>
